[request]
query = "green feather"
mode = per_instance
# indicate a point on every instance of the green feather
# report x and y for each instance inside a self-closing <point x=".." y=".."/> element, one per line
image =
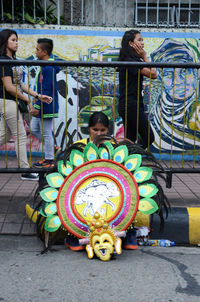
<point x="106" y="153"/>
<point x="120" y="154"/>
<point x="64" y="170"/>
<point x="50" y="208"/>
<point x="54" y="180"/>
<point x="52" y="223"/>
<point x="133" y="162"/>
<point x="142" y="174"/>
<point x="91" y="151"/>
<point x="49" y="194"/>
<point x="147" y="206"/>
<point x="76" y="158"/>
<point x="147" y="190"/>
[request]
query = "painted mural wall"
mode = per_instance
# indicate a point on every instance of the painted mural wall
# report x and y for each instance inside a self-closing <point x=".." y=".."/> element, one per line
<point x="175" y="113"/>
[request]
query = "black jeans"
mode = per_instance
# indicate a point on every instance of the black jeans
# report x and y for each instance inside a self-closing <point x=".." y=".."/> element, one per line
<point x="143" y="125"/>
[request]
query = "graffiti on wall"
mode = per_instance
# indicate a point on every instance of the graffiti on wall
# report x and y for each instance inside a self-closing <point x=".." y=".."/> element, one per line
<point x="174" y="96"/>
<point x="178" y="121"/>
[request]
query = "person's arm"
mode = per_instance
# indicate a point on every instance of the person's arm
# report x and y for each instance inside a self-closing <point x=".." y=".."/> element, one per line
<point x="147" y="72"/>
<point x="11" y="89"/>
<point x="44" y="98"/>
<point x="35" y="108"/>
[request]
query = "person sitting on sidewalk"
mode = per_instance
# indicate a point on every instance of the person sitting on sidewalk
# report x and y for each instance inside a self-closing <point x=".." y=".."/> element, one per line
<point x="43" y="114"/>
<point x="98" y="126"/>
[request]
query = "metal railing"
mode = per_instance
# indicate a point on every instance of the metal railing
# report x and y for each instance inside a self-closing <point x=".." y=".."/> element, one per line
<point x="175" y="121"/>
<point x="113" y="13"/>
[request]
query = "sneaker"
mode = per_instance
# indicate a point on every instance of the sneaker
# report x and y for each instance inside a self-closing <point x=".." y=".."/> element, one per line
<point x="73" y="244"/>
<point x="46" y="163"/>
<point x="30" y="176"/>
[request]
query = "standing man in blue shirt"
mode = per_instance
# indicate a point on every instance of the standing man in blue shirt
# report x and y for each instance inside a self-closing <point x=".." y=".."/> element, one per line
<point x="43" y="114"/>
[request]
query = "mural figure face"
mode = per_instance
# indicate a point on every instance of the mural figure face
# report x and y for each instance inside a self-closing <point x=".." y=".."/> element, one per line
<point x="184" y="82"/>
<point x="180" y="103"/>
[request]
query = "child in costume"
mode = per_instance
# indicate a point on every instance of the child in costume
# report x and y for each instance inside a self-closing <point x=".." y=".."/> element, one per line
<point x="43" y="114"/>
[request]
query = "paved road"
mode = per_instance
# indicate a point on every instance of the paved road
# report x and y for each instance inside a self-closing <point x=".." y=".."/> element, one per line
<point x="149" y="274"/>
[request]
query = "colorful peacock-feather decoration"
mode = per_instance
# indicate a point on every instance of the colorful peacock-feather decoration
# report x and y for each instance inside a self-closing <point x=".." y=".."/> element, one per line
<point x="109" y="179"/>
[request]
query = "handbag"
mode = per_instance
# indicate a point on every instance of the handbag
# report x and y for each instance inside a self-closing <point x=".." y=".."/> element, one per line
<point x="22" y="106"/>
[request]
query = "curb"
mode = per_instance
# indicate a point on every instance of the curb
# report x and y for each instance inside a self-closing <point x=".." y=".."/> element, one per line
<point x="181" y="226"/>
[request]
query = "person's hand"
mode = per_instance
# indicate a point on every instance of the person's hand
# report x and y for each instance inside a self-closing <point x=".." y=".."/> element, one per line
<point x="139" y="50"/>
<point x="34" y="112"/>
<point x="46" y="99"/>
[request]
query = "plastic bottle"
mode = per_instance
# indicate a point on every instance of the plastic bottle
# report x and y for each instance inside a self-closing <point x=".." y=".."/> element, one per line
<point x="155" y="242"/>
<point x="165" y="242"/>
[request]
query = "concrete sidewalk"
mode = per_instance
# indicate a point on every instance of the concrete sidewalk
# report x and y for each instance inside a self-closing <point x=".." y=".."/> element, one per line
<point x="15" y="193"/>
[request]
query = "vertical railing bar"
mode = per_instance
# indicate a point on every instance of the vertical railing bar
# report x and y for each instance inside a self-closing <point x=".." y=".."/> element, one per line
<point x="146" y="15"/>
<point x="29" y="115"/>
<point x="42" y="114"/>
<point x="114" y="102"/>
<point x="173" y="14"/>
<point x="4" y="110"/>
<point x="45" y="11"/>
<point x="2" y="12"/>
<point x="102" y="87"/>
<point x="168" y="8"/>
<point x="189" y="13"/>
<point x="17" y="116"/>
<point x="77" y="71"/>
<point x="82" y="8"/>
<point x="184" y="118"/>
<point x="23" y="17"/>
<point x="90" y="88"/>
<point x="138" y="104"/>
<point x="34" y="13"/>
<point x="104" y="13"/>
<point x="157" y="13"/>
<point x="66" y="91"/>
<point x="195" y="129"/>
<point x="13" y="11"/>
<point x="136" y="12"/>
<point x="126" y="104"/>
<point x="53" y="79"/>
<point x="161" y="107"/>
<point x="148" y="144"/>
<point x="125" y="12"/>
<point x="172" y="132"/>
<point x="93" y="14"/>
<point x="58" y="12"/>
<point x="71" y="12"/>
<point x="179" y="12"/>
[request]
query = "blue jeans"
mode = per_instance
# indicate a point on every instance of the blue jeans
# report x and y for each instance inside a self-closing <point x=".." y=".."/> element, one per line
<point x="36" y="130"/>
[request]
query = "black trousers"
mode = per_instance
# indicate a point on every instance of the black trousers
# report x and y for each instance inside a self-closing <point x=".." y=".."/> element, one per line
<point x="143" y="125"/>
